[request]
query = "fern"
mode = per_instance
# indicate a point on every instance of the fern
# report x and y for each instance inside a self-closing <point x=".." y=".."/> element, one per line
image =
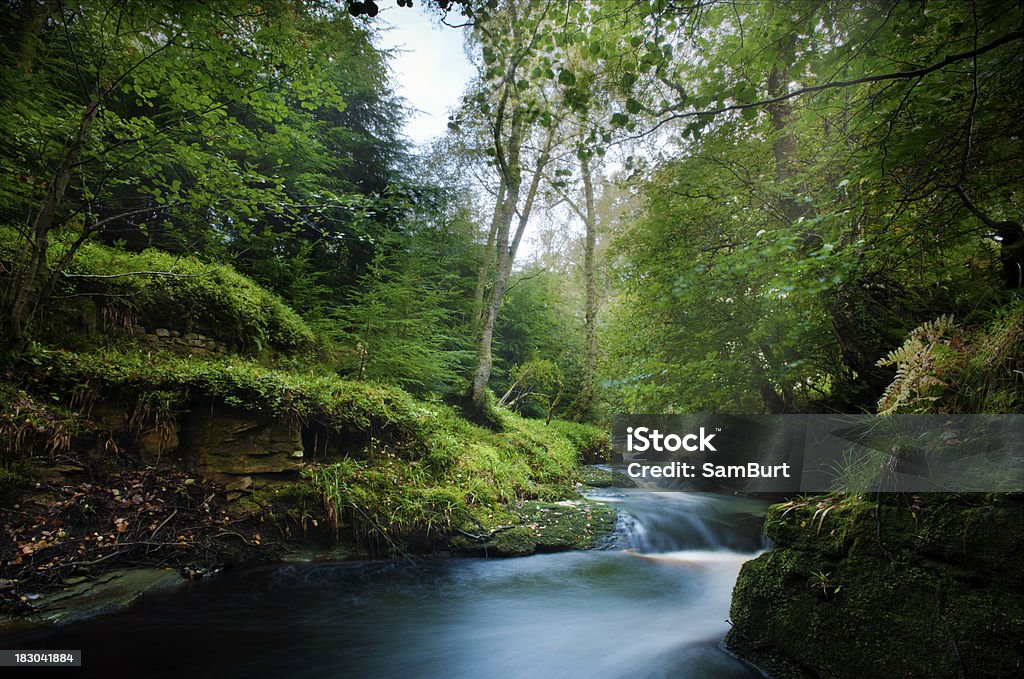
<point x="924" y="356"/>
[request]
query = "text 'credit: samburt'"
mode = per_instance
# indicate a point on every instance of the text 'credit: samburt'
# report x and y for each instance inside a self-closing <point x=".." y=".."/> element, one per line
<point x="644" y="439"/>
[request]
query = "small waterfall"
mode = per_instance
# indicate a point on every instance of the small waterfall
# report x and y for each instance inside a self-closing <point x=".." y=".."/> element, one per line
<point x="651" y="607"/>
<point x="660" y="522"/>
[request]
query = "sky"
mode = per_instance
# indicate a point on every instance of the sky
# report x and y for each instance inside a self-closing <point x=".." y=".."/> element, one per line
<point x="430" y="72"/>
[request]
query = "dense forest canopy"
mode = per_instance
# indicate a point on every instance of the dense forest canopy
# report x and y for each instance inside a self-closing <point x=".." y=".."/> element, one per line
<point x="748" y="206"/>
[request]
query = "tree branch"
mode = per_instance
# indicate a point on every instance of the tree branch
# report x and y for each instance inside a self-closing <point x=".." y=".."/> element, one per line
<point x="812" y="89"/>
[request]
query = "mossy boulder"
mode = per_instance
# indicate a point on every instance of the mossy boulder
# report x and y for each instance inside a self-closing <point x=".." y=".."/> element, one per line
<point x="535" y="527"/>
<point x="212" y="299"/>
<point x="897" y="587"/>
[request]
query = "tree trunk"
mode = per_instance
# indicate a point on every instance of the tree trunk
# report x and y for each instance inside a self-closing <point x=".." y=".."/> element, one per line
<point x="585" y="400"/>
<point x="25" y="281"/>
<point x="506" y="245"/>
<point x="784" y="149"/>
<point x="485" y="266"/>
<point x="505" y="213"/>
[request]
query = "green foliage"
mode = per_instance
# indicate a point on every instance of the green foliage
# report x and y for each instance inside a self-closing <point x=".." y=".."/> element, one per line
<point x="431" y="435"/>
<point x="993" y="375"/>
<point x="944" y="367"/>
<point x="405" y="323"/>
<point x="538" y="381"/>
<point x="791" y="248"/>
<point x="716" y="303"/>
<point x="920" y="364"/>
<point x="463" y="469"/>
<point x="552" y="458"/>
<point x="255" y="133"/>
<point x="539" y="344"/>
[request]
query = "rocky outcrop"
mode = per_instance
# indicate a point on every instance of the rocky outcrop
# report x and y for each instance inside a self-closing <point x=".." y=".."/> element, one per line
<point x="231" y="445"/>
<point x="536" y="527"/>
<point x="178" y="341"/>
<point x="927" y="586"/>
<point x="83" y="598"/>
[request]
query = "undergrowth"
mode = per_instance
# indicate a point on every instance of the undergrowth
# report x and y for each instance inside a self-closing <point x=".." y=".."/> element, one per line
<point x="466" y="469"/>
<point x="424" y="469"/>
<point x="946" y="367"/>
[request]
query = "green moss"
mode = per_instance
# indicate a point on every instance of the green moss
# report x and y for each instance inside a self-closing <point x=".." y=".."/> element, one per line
<point x="536" y="526"/>
<point x="604" y="478"/>
<point x="188" y="294"/>
<point x="417" y="471"/>
<point x="567" y="525"/>
<point x="898" y="587"/>
<point x="518" y="541"/>
<point x="135" y="376"/>
<point x="593" y="443"/>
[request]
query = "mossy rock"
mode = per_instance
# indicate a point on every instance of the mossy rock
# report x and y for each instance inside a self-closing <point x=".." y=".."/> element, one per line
<point x="604" y="478"/>
<point x="901" y="587"/>
<point x="518" y="541"/>
<point x="567" y="525"/>
<point x="536" y="527"/>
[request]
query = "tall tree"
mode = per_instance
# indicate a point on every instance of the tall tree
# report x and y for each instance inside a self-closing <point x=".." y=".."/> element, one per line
<point x="520" y="108"/>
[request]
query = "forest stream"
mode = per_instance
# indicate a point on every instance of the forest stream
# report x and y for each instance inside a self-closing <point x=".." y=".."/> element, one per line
<point x="654" y="603"/>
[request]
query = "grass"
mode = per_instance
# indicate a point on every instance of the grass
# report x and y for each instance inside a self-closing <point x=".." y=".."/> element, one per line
<point x="470" y="472"/>
<point x="423" y="468"/>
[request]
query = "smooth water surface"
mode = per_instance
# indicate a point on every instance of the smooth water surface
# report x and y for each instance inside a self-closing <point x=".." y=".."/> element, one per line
<point x="654" y="604"/>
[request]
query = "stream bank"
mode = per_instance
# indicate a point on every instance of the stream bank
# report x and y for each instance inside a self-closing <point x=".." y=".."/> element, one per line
<point x="201" y="463"/>
<point x="62" y="576"/>
<point x="651" y="605"/>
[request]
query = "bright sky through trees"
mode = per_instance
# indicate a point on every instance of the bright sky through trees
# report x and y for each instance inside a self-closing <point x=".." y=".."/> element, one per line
<point x="430" y="70"/>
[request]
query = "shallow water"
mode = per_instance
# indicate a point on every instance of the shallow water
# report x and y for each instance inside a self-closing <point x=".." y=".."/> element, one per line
<point x="654" y="604"/>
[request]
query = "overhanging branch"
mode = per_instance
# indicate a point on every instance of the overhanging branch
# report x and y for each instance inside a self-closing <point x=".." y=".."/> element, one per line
<point x="882" y="77"/>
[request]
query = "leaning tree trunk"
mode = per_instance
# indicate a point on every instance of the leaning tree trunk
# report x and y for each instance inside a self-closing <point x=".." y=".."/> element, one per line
<point x="506" y="245"/>
<point x="505" y="212"/>
<point x="25" y="281"/>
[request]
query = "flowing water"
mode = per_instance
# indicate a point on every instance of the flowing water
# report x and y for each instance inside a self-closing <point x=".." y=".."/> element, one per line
<point x="655" y="603"/>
